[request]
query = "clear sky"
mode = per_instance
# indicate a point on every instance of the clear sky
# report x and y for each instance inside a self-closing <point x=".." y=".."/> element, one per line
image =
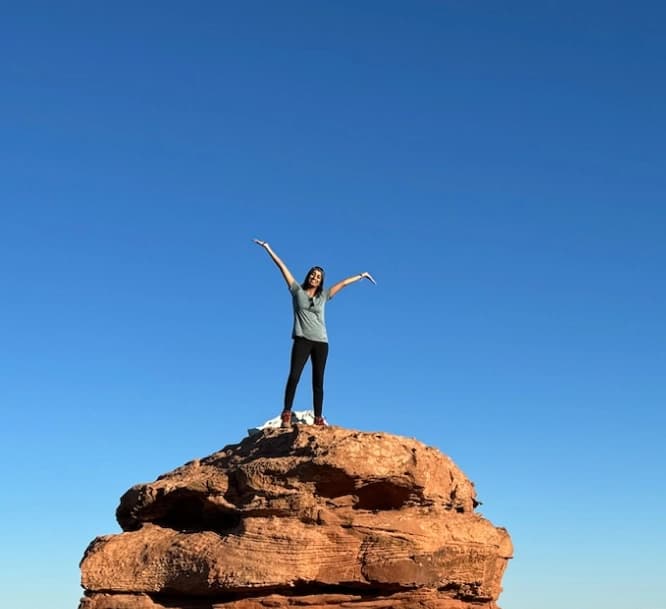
<point x="499" y="167"/>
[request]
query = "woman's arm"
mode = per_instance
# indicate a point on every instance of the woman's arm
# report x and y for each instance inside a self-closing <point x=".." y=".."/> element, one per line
<point x="288" y="277"/>
<point x="345" y="282"/>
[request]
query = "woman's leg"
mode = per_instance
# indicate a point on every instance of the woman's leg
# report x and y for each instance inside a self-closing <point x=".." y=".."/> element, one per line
<point x="300" y="351"/>
<point x="319" y="356"/>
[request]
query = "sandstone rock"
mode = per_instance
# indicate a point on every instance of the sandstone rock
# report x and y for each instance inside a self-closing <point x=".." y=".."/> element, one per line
<point x="307" y="517"/>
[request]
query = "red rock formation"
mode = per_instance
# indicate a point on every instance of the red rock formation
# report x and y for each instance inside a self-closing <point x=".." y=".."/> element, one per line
<point x="316" y="517"/>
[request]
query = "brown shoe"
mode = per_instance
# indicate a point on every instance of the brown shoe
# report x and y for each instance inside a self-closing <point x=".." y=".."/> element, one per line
<point x="319" y="421"/>
<point x="286" y="418"/>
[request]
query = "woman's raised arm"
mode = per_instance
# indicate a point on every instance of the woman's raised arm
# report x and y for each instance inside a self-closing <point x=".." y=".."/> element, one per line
<point x="286" y="273"/>
<point x="353" y="279"/>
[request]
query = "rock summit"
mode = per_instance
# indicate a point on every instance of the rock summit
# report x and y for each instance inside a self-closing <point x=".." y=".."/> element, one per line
<point x="309" y="517"/>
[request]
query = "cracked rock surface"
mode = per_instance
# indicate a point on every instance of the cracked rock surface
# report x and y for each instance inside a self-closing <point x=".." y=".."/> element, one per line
<point x="316" y="517"/>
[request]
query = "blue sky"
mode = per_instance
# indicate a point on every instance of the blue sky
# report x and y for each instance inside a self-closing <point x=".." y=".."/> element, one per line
<point x="498" y="169"/>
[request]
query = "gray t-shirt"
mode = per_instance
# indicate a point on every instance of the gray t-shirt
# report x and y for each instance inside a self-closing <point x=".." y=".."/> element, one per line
<point x="309" y="319"/>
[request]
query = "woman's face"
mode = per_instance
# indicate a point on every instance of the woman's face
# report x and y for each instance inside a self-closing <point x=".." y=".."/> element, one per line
<point x="314" y="278"/>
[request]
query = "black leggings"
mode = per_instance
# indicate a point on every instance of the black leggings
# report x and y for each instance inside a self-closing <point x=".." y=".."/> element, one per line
<point x="300" y="351"/>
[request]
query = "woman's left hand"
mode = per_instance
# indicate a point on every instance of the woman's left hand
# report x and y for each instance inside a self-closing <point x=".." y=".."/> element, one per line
<point x="369" y="277"/>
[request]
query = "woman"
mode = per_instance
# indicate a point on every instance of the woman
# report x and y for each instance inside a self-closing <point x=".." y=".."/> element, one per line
<point x="309" y="331"/>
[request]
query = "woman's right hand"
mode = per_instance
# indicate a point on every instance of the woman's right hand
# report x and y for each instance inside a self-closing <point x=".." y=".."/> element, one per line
<point x="288" y="277"/>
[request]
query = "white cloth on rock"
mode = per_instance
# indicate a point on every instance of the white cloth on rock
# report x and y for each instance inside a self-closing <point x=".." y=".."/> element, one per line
<point x="298" y="417"/>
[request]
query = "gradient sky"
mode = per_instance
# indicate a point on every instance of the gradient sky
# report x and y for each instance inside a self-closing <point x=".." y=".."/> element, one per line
<point x="498" y="167"/>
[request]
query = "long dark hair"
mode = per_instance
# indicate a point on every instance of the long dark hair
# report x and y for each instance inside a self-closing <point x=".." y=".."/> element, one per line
<point x="320" y="287"/>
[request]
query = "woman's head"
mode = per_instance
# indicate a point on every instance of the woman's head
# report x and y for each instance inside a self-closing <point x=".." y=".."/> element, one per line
<point x="314" y="279"/>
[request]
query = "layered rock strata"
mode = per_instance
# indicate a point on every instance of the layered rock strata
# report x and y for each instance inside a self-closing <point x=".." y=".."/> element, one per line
<point x="316" y="517"/>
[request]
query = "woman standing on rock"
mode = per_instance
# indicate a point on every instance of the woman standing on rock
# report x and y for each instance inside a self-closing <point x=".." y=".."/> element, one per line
<point x="309" y="331"/>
